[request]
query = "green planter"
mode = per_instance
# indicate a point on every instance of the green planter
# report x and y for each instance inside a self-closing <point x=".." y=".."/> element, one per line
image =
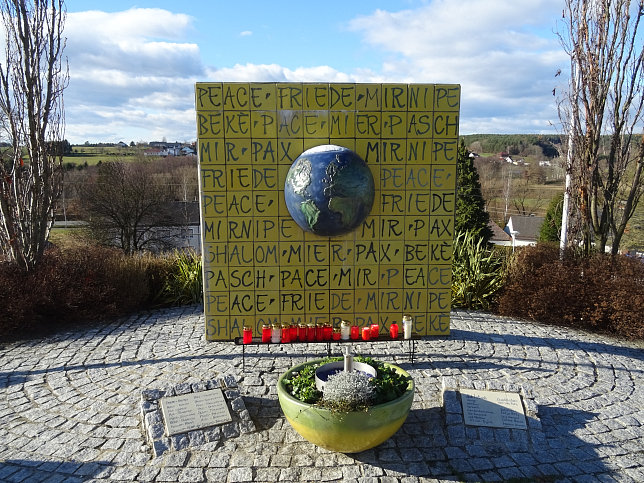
<point x="350" y="432"/>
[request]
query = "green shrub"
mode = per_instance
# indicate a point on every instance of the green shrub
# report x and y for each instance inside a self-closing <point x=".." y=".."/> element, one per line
<point x="477" y="272"/>
<point x="183" y="284"/>
<point x="602" y="292"/>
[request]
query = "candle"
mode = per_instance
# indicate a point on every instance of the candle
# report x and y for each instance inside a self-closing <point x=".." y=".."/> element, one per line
<point x="407" y="326"/>
<point x="328" y="331"/>
<point x="345" y="330"/>
<point x="286" y="334"/>
<point x="355" y="332"/>
<point x="336" y="333"/>
<point x="248" y="335"/>
<point x="393" y="330"/>
<point x="310" y="332"/>
<point x="292" y="333"/>
<point x="366" y="333"/>
<point x="276" y="334"/>
<point x="302" y="332"/>
<point x="267" y="332"/>
<point x="319" y="332"/>
<point x="375" y="329"/>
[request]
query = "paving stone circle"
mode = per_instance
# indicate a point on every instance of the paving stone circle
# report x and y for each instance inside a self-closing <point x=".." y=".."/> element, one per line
<point x="70" y="406"/>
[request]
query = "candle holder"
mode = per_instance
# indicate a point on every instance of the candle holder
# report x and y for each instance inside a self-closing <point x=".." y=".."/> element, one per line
<point x="393" y="330"/>
<point x="366" y="333"/>
<point x="328" y="331"/>
<point x="408" y="323"/>
<point x="311" y="331"/>
<point x="286" y="334"/>
<point x="302" y="332"/>
<point x="267" y="332"/>
<point x="247" y="335"/>
<point x="345" y="330"/>
<point x="276" y="334"/>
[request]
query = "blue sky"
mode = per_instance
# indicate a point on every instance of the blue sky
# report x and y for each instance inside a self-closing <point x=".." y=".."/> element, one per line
<point x="133" y="65"/>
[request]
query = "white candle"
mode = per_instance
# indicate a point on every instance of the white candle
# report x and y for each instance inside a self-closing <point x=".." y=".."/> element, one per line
<point x="276" y="334"/>
<point x="407" y="326"/>
<point x="345" y="330"/>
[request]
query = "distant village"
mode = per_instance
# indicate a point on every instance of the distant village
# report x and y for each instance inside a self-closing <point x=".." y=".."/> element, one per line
<point x="516" y="162"/>
<point x="153" y="148"/>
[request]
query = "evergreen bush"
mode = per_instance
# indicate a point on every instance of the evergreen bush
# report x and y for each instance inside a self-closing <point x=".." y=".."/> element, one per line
<point x="478" y="272"/>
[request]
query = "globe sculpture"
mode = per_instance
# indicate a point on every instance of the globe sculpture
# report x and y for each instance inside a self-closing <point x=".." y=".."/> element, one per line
<point x="329" y="190"/>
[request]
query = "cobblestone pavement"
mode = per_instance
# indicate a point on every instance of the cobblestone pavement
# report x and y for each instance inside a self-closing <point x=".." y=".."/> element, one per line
<point x="69" y="406"/>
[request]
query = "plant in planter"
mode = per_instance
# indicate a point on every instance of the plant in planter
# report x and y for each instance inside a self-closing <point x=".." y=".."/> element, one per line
<point x="356" y="412"/>
<point x="348" y="391"/>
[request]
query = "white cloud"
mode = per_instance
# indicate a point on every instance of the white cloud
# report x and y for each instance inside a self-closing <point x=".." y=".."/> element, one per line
<point x="132" y="72"/>
<point x="278" y="73"/>
<point x="499" y="52"/>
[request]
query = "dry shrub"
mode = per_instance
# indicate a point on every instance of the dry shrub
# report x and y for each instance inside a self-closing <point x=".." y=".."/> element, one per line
<point x="80" y="282"/>
<point x="603" y="293"/>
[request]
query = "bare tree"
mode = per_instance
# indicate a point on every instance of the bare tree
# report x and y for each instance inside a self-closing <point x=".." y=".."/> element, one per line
<point x="125" y="206"/>
<point x="32" y="79"/>
<point x="605" y="99"/>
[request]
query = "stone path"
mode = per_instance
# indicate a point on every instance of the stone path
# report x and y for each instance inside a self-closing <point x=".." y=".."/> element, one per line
<point x="69" y="406"/>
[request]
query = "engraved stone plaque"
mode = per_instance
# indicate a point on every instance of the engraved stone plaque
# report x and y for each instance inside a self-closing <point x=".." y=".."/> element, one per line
<point x="193" y="411"/>
<point x="494" y="409"/>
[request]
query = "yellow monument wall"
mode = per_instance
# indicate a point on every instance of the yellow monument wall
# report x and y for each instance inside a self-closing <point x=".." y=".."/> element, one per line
<point x="260" y="267"/>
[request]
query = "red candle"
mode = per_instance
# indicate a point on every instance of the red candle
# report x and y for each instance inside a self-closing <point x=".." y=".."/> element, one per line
<point x="266" y="333"/>
<point x="301" y="333"/>
<point x="319" y="332"/>
<point x="328" y="331"/>
<point x="375" y="329"/>
<point x="393" y="330"/>
<point x="248" y="335"/>
<point x="286" y="334"/>
<point x="310" y="332"/>
<point x="355" y="332"/>
<point x="292" y="335"/>
<point x="336" y="333"/>
<point x="366" y="333"/>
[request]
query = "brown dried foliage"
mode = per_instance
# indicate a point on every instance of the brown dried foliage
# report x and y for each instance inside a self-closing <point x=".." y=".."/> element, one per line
<point x="81" y="283"/>
<point x="602" y="293"/>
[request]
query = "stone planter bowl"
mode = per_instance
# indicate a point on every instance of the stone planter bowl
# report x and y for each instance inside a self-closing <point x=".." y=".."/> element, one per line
<point x="350" y="432"/>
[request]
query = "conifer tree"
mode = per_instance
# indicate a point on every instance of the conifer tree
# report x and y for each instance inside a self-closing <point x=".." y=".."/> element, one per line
<point x="470" y="205"/>
<point x="551" y="228"/>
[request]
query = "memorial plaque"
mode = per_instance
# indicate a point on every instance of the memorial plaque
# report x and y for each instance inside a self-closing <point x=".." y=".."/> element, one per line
<point x="494" y="409"/>
<point x="193" y="411"/>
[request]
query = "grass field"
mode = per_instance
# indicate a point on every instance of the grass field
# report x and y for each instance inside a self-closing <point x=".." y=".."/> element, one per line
<point x="93" y="154"/>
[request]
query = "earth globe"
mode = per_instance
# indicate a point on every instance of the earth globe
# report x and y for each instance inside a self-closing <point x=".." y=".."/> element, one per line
<point x="329" y="190"/>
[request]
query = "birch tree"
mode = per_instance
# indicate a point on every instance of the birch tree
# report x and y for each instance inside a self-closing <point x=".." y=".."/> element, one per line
<point x="604" y="42"/>
<point x="33" y="76"/>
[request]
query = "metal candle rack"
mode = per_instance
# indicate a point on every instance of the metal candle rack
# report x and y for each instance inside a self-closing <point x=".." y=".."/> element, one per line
<point x="411" y="344"/>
